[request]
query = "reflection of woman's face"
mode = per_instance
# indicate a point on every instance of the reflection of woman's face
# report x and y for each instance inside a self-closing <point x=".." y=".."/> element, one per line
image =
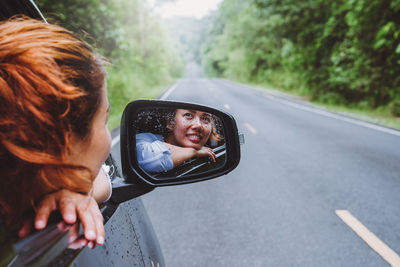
<point x="190" y="128"/>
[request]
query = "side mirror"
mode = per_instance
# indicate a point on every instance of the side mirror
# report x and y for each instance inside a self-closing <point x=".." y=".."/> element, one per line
<point x="169" y="143"/>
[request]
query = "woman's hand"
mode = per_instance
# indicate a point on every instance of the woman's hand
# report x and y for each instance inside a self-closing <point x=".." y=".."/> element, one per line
<point x="181" y="154"/>
<point x="205" y="152"/>
<point x="71" y="205"/>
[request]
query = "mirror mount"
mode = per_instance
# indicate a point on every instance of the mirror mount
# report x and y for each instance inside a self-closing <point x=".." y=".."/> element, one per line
<point x="123" y="191"/>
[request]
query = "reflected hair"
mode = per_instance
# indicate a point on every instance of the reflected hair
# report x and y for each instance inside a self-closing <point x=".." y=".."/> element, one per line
<point x="50" y="89"/>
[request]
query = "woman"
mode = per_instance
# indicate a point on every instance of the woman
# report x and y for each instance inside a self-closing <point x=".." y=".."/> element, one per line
<point x="186" y="138"/>
<point x="53" y="129"/>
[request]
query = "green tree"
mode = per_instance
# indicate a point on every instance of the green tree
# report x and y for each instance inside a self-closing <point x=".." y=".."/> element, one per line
<point x="143" y="58"/>
<point x="345" y="51"/>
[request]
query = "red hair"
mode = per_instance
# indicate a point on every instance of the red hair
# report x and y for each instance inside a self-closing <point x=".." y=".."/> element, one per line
<point x="50" y="89"/>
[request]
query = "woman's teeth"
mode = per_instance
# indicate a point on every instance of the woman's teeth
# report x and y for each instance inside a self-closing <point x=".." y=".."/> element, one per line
<point x="195" y="138"/>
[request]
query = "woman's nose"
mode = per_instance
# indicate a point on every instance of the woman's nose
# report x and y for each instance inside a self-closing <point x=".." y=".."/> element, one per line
<point x="196" y="123"/>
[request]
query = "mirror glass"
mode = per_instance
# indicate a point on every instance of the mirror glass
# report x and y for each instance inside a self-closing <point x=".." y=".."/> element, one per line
<point x="174" y="143"/>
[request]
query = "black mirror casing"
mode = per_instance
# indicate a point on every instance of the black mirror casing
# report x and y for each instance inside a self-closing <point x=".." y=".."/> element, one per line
<point x="131" y="170"/>
<point x="18" y="7"/>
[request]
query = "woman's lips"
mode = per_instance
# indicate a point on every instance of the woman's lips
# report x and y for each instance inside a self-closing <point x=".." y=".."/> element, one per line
<point x="194" y="138"/>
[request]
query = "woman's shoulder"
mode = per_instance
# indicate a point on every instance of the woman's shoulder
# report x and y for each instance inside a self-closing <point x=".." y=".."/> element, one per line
<point x="148" y="137"/>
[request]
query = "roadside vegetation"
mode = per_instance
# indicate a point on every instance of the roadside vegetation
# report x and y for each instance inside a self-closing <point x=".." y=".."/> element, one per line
<point x="344" y="54"/>
<point x="144" y="61"/>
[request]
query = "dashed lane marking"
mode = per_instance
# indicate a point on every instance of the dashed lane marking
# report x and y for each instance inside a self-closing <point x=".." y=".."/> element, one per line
<point x="226" y="106"/>
<point x="250" y="128"/>
<point x="370" y="238"/>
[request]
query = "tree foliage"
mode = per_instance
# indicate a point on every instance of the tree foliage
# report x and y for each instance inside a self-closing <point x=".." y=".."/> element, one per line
<point x="345" y="51"/>
<point x="189" y="34"/>
<point x="128" y="34"/>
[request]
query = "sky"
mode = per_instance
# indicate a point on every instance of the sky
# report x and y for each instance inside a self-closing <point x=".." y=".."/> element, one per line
<point x="187" y="8"/>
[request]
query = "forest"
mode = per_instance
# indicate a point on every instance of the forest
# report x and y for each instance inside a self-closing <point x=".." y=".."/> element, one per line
<point x="340" y="53"/>
<point x="143" y="60"/>
<point x="344" y="52"/>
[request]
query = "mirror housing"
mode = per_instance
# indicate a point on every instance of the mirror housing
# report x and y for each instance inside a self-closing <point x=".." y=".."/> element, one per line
<point x="131" y="169"/>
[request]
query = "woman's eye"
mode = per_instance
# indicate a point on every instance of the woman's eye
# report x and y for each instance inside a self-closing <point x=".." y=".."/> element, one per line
<point x="188" y="115"/>
<point x="206" y="119"/>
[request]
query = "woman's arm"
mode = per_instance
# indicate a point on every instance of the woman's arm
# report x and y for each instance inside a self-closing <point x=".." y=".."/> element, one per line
<point x="181" y="154"/>
<point x="152" y="154"/>
<point x="101" y="190"/>
<point x="74" y="205"/>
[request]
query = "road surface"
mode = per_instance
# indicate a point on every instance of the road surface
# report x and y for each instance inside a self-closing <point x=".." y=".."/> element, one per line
<point x="300" y="169"/>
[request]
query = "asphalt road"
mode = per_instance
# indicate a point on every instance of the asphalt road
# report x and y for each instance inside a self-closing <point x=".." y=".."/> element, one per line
<point x="278" y="208"/>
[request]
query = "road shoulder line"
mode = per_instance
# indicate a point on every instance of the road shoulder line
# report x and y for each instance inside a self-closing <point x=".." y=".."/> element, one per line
<point x="336" y="116"/>
<point x="301" y="104"/>
<point x="169" y="91"/>
<point x="116" y="139"/>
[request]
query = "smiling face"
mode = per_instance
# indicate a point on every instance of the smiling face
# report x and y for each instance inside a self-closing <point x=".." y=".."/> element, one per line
<point x="190" y="128"/>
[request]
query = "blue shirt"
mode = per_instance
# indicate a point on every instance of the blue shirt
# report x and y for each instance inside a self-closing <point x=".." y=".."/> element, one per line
<point x="152" y="154"/>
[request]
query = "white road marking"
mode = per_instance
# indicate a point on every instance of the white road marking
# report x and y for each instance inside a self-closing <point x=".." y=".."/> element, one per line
<point x="226" y="106"/>
<point x="370" y="238"/>
<point x="169" y="91"/>
<point x="335" y="116"/>
<point x="115" y="141"/>
<point x="250" y="128"/>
